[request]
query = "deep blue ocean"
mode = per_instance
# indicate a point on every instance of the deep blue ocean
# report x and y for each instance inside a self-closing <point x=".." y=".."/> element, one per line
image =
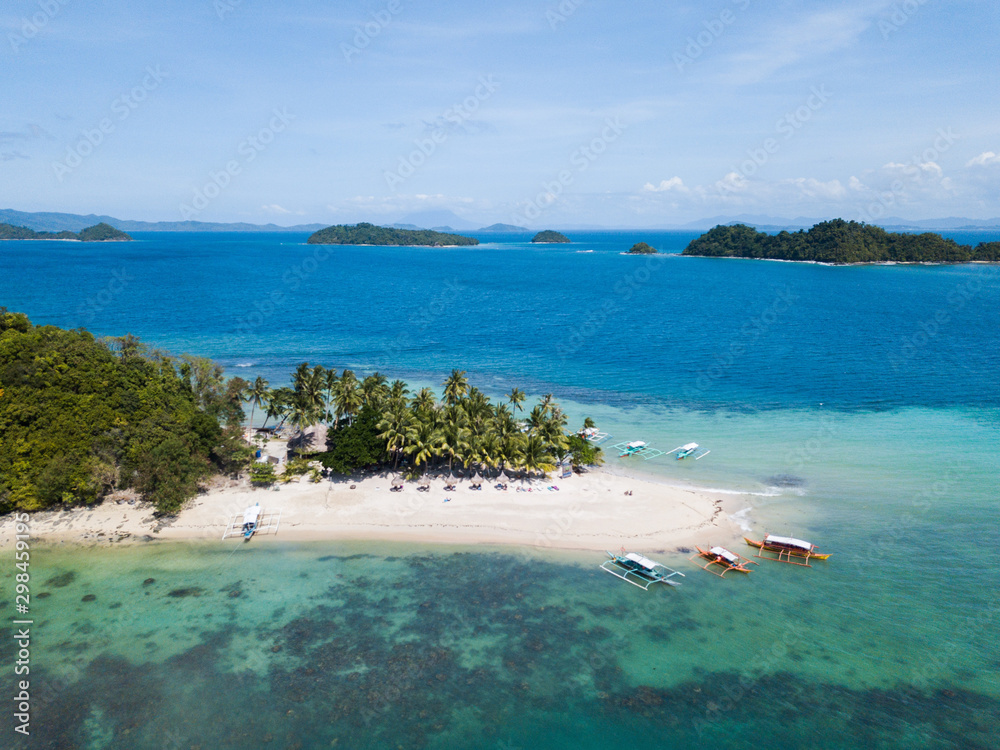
<point x="857" y="406"/>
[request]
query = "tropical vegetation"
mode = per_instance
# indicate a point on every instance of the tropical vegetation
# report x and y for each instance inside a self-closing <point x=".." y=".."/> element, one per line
<point x="81" y="418"/>
<point x="370" y="234"/>
<point x="98" y="233"/>
<point x="838" y="242"/>
<point x="372" y="423"/>
<point x="641" y="248"/>
<point x="549" y="235"/>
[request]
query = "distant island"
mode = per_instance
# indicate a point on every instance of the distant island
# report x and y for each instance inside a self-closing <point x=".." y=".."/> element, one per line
<point x="369" y="234"/>
<point x="549" y="236"/>
<point x="98" y="233"/>
<point x="504" y="228"/>
<point x="838" y="242"/>
<point x="641" y="248"/>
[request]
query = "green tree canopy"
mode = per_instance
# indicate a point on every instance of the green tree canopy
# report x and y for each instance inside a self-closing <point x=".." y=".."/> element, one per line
<point x="838" y="242"/>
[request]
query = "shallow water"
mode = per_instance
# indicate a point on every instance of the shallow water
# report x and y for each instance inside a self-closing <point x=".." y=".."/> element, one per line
<point x="366" y="646"/>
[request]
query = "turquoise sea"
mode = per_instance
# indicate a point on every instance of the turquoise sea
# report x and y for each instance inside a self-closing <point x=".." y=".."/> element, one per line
<point x="858" y="407"/>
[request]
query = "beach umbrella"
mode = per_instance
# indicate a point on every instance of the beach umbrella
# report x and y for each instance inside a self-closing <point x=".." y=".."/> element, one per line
<point x="397" y="481"/>
<point x="502" y="478"/>
<point x="476" y="478"/>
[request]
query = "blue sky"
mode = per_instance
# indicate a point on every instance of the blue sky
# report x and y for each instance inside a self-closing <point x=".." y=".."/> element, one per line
<point x="542" y="114"/>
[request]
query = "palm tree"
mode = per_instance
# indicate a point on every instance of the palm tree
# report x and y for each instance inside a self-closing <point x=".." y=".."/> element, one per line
<point x="424" y="443"/>
<point x="310" y="388"/>
<point x="348" y="396"/>
<point x="396" y="427"/>
<point x="455" y="386"/>
<point x="424" y="401"/>
<point x="374" y="389"/>
<point x="588" y="423"/>
<point x="535" y="455"/>
<point x="478" y="407"/>
<point x="546" y="402"/>
<point x="536" y="419"/>
<point x="302" y="414"/>
<point x="331" y="386"/>
<point x="257" y="395"/>
<point x="516" y="398"/>
<point x="486" y="450"/>
<point x="279" y="404"/>
<point x="398" y="391"/>
<point x="455" y="434"/>
<point x="511" y="450"/>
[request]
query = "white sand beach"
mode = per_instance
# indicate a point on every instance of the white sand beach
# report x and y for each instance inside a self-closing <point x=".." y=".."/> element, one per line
<point x="588" y="512"/>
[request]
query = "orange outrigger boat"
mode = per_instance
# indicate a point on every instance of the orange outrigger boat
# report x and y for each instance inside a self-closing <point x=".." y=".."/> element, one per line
<point x="785" y="547"/>
<point x="725" y="559"/>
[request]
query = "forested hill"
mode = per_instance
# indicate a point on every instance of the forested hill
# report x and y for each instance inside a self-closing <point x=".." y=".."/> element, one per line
<point x="369" y="234"/>
<point x="98" y="233"/>
<point x="839" y="241"/>
<point x="80" y="418"/>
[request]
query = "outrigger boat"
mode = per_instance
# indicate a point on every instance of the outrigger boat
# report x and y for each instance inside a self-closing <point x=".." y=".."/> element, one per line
<point x="637" y="448"/>
<point x="638" y="570"/>
<point x="725" y="559"/>
<point x="252" y="521"/>
<point x="689" y="449"/>
<point x="785" y="547"/>
<point x="593" y="435"/>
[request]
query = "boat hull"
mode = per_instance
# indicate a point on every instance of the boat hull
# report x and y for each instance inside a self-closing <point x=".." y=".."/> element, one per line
<point x="726" y="565"/>
<point x="785" y="550"/>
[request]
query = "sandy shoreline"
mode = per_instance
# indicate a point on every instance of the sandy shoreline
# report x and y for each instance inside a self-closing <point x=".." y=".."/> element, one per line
<point x="589" y="512"/>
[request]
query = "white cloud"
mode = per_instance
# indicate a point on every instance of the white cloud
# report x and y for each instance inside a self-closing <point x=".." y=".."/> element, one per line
<point x="274" y="208"/>
<point x="984" y="159"/>
<point x="918" y="171"/>
<point x="733" y="182"/>
<point x="813" y="188"/>
<point x="812" y="35"/>
<point x="674" y="183"/>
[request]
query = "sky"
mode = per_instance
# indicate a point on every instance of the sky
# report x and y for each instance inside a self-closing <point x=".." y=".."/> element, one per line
<point x="541" y="114"/>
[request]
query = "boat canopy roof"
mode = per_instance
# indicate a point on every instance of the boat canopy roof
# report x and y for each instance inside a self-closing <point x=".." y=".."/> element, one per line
<point x="251" y="514"/>
<point x="689" y="447"/>
<point x="636" y="444"/>
<point x="643" y="561"/>
<point x="725" y="554"/>
<point x="787" y="541"/>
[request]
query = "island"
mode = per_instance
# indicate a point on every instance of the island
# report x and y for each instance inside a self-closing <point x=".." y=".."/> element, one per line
<point x="641" y="248"/>
<point x="137" y="445"/>
<point x="504" y="228"/>
<point x="370" y="234"/>
<point x="549" y="236"/>
<point x="838" y="242"/>
<point x="98" y="233"/>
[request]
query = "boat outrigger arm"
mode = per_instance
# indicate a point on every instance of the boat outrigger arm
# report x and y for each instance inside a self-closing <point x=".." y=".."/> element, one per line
<point x="252" y="521"/>
<point x="724" y="559"/>
<point x="637" y="448"/>
<point x="639" y="571"/>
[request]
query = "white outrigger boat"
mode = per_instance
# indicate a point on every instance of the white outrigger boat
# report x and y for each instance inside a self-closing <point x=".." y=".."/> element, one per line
<point x="637" y="448"/>
<point x="689" y="449"/>
<point x="593" y="435"/>
<point x="639" y="570"/>
<point x="252" y="521"/>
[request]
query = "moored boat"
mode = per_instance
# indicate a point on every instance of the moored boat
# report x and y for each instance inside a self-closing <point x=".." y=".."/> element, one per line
<point x="786" y="547"/>
<point x="725" y="559"/>
<point x="639" y="570"/>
